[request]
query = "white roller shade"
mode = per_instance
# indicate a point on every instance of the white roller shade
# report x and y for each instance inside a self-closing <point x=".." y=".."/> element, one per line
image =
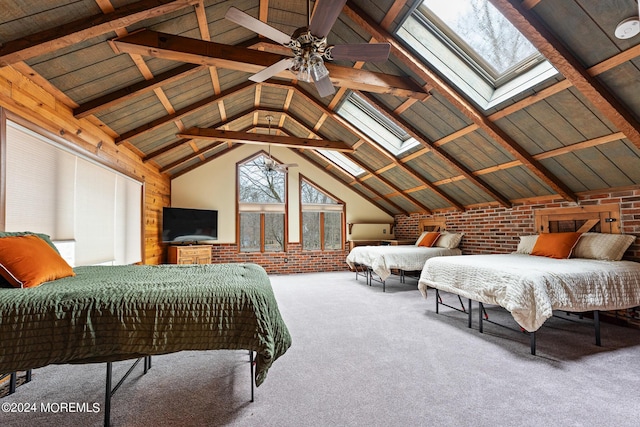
<point x="40" y="185"/>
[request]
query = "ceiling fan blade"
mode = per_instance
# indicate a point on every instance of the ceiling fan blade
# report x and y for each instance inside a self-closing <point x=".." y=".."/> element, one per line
<point x="369" y="52"/>
<point x="255" y="25"/>
<point x="325" y="15"/>
<point x="271" y="70"/>
<point x="325" y="87"/>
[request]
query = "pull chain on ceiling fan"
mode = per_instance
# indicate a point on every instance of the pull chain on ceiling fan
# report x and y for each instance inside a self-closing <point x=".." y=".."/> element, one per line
<point x="309" y="45"/>
<point x="271" y="165"/>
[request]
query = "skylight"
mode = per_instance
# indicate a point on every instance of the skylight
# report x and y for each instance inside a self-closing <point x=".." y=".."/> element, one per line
<point x="375" y="125"/>
<point x="342" y="161"/>
<point x="482" y="32"/>
<point x="474" y="46"/>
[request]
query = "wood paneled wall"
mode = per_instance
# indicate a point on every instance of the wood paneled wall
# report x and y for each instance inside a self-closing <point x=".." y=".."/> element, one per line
<point x="25" y="99"/>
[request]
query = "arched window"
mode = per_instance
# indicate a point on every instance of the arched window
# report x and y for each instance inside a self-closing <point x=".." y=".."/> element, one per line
<point x="321" y="218"/>
<point x="261" y="205"/>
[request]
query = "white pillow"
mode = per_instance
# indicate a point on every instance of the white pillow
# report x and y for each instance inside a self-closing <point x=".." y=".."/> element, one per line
<point x="449" y="240"/>
<point x="609" y="247"/>
<point x="526" y="244"/>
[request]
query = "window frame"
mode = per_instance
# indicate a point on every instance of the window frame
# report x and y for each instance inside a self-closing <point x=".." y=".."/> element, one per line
<point x="340" y="206"/>
<point x="430" y="44"/>
<point x="261" y="208"/>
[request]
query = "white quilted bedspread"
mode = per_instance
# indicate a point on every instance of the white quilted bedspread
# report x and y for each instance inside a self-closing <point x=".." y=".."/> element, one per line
<point x="531" y="287"/>
<point x="382" y="259"/>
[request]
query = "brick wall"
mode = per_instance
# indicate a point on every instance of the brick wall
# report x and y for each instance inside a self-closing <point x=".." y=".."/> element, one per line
<point x="295" y="260"/>
<point x="495" y="229"/>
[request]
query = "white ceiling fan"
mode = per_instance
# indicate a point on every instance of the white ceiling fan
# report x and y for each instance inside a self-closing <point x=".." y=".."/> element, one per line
<point x="270" y="165"/>
<point x="309" y="45"/>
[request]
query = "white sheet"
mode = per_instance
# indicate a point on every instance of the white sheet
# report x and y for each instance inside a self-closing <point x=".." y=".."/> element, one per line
<point x="381" y="259"/>
<point x="531" y="287"/>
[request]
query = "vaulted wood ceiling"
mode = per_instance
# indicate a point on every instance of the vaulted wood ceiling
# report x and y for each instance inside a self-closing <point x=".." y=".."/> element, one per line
<point x="156" y="73"/>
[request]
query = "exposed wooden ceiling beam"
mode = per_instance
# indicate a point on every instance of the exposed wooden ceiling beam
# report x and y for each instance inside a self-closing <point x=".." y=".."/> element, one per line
<point x="184" y="49"/>
<point x="350" y="127"/>
<point x="203" y="103"/>
<point x="252" y="138"/>
<point x="83" y="29"/>
<point x="441" y="153"/>
<point x="420" y="69"/>
<point x="122" y="95"/>
<point x="564" y="61"/>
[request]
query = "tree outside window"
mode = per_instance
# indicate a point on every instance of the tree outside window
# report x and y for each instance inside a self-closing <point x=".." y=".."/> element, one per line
<point x="321" y="219"/>
<point x="261" y="206"/>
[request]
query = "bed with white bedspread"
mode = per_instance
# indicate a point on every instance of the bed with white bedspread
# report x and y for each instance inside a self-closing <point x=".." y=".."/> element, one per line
<point x="383" y="259"/>
<point x="532" y="287"/>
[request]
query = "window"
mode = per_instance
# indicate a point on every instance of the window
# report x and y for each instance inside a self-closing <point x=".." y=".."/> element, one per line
<point x="474" y="46"/>
<point x="375" y="124"/>
<point x="261" y="206"/>
<point x="342" y="161"/>
<point x="91" y="212"/>
<point x="321" y="219"/>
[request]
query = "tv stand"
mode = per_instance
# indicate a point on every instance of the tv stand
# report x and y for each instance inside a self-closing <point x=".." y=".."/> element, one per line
<point x="189" y="254"/>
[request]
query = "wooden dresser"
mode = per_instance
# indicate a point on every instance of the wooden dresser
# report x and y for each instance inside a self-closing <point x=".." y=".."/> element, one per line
<point x="193" y="254"/>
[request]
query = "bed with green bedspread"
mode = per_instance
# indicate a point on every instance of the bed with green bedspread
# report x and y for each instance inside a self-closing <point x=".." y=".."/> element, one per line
<point x="111" y="313"/>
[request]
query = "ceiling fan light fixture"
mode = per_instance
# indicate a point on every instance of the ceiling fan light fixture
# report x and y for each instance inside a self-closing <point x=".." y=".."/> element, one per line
<point x="317" y="67"/>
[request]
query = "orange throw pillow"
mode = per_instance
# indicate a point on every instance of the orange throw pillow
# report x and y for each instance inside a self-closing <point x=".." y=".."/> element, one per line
<point x="429" y="239"/>
<point x="555" y="245"/>
<point x="28" y="261"/>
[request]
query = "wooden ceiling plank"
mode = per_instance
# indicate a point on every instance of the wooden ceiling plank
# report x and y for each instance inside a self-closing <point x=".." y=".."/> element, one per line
<point x="405" y="106"/>
<point x="392" y="13"/>
<point x="581" y="145"/>
<point x="124" y="94"/>
<point x="252" y="138"/>
<point x="565" y="62"/>
<point x="184" y="49"/>
<point x="530" y="100"/>
<point x="455" y="135"/>
<point x="417" y="66"/>
<point x="148" y="127"/>
<point x="443" y="155"/>
<point x="388" y="183"/>
<point x="85" y="28"/>
<point x="614" y="61"/>
<point x="203" y="23"/>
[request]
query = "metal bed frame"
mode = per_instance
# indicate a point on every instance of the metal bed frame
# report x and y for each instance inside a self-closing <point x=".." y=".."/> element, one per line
<point x="110" y="390"/>
<point x="483" y="316"/>
<point x="371" y="277"/>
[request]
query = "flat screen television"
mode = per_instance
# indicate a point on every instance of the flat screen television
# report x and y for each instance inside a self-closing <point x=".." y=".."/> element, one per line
<point x="187" y="226"/>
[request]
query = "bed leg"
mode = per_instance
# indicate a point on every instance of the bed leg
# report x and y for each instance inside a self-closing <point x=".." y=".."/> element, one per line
<point x="596" y="321"/>
<point x="471" y="313"/>
<point x="107" y="396"/>
<point x="480" y="309"/>
<point x="251" y="363"/>
<point x="147" y="364"/>
<point x="532" y="338"/>
<point x="13" y="381"/>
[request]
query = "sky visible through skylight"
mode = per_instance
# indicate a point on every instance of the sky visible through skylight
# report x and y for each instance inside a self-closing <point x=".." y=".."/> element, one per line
<point x="485" y="30"/>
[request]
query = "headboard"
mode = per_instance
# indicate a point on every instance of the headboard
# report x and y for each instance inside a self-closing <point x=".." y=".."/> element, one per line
<point x="596" y="218"/>
<point x="431" y="224"/>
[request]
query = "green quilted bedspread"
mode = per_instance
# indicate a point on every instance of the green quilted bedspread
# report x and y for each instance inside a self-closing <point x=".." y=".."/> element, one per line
<point x="110" y="313"/>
